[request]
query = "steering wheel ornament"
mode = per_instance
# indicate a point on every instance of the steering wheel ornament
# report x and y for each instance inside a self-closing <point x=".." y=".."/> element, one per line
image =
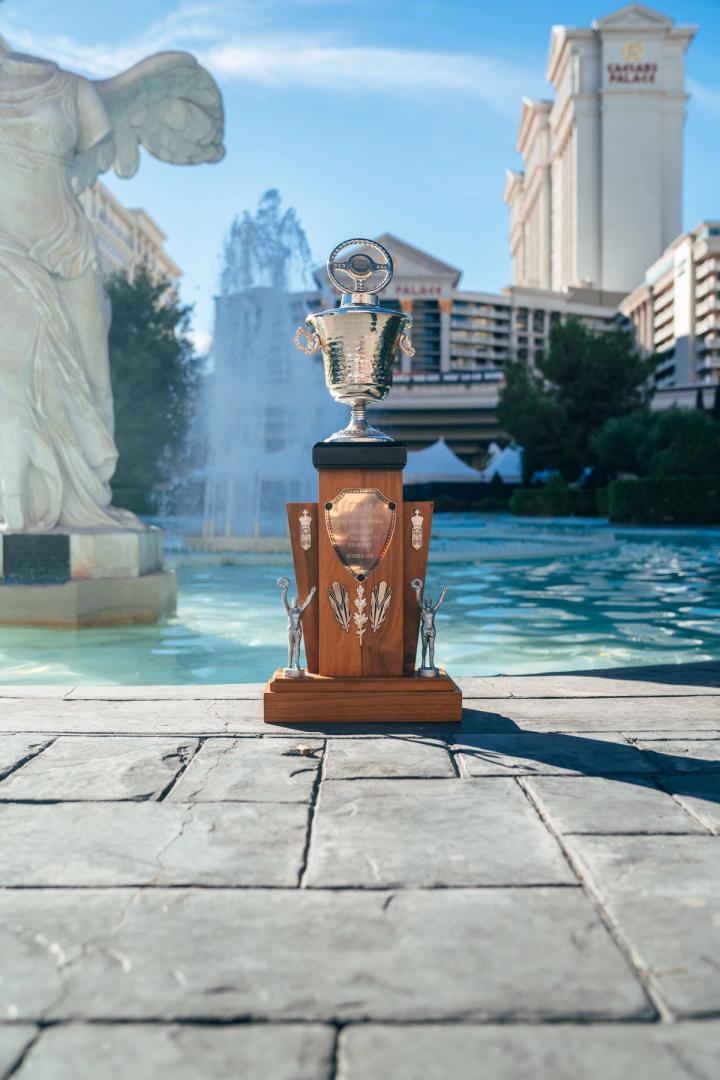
<point x="364" y="273"/>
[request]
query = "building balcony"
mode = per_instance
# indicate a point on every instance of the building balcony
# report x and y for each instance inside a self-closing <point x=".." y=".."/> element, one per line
<point x="710" y="304"/>
<point x="707" y="345"/>
<point x="707" y="325"/>
<point x="708" y="285"/>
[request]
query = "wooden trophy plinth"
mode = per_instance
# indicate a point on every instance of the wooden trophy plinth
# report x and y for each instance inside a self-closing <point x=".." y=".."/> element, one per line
<point x="360" y="547"/>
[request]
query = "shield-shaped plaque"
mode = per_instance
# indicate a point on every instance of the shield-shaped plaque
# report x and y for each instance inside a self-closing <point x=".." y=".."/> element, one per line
<point x="360" y="524"/>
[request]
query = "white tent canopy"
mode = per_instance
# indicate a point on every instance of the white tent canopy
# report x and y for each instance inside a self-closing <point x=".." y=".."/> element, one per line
<point x="507" y="464"/>
<point x="438" y="462"/>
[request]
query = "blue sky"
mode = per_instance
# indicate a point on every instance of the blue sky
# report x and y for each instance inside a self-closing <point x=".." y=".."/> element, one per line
<point x="397" y="116"/>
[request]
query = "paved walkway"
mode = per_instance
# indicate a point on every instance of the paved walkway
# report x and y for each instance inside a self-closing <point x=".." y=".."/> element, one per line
<point x="185" y="893"/>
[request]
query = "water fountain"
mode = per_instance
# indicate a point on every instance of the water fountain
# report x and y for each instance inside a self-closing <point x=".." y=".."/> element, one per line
<point x="265" y="402"/>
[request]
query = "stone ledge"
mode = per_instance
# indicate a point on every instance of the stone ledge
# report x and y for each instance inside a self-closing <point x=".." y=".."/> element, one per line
<point x="92" y="602"/>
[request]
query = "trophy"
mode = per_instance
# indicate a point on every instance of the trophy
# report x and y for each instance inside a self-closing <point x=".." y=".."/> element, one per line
<point x="359" y="339"/>
<point x="360" y="554"/>
<point x="427" y="628"/>
<point x="295" y="612"/>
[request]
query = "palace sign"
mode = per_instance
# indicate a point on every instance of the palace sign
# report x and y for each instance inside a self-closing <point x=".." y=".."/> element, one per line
<point x="631" y="73"/>
<point x="417" y="290"/>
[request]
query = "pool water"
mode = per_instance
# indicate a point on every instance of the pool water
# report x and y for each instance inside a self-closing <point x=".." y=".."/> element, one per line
<point x="524" y="596"/>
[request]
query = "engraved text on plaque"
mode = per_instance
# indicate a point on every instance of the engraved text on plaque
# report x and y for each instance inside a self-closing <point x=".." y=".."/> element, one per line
<point x="360" y="524"/>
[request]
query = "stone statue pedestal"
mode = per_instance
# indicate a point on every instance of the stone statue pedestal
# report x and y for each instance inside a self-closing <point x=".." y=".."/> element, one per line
<point x="84" y="577"/>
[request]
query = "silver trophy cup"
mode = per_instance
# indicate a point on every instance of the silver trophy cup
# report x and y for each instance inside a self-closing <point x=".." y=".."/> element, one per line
<point x="360" y="338"/>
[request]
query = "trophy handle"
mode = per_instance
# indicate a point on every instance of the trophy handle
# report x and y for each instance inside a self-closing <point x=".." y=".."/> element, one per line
<point x="406" y="345"/>
<point x="311" y="343"/>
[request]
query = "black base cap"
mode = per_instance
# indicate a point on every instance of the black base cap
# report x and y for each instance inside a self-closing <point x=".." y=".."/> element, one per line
<point x="359" y="455"/>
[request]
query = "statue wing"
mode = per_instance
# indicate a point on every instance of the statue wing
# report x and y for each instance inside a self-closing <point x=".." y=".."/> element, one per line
<point x="169" y="104"/>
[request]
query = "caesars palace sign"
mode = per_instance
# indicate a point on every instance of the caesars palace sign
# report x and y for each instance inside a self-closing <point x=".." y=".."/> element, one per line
<point x="632" y="69"/>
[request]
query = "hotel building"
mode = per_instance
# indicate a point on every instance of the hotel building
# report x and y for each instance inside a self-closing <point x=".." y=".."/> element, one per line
<point x="675" y="313"/>
<point x="601" y="192"/>
<point x="126" y="238"/>
<point x="597" y="203"/>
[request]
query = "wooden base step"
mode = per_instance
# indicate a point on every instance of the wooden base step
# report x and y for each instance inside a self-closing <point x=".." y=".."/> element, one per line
<point x="400" y="699"/>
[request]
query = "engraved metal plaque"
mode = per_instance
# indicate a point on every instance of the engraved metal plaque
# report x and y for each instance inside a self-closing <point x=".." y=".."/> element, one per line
<point x="360" y="524"/>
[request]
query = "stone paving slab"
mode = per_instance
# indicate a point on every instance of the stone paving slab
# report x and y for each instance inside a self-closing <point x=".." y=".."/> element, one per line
<point x="16" y="748"/>
<point x="664" y="680"/>
<point x="596" y="714"/>
<point x="664" y="894"/>
<point x="99" y="768"/>
<point x="181" y="1052"/>
<point x="13" y="1041"/>
<point x="186" y="718"/>
<point x="596" y="804"/>
<point x="689" y="733"/>
<point x="548" y="753"/>
<point x="517" y="1052"/>
<point x="411" y="955"/>
<point x="239" y="911"/>
<point x="683" y="755"/>
<point x="34" y="691"/>
<point x="404" y="833"/>
<point x="700" y="794"/>
<point x="193" y="692"/>
<point x="131" y="843"/>
<point x="251" y="770"/>
<point x="399" y="756"/>
<point x="134" y="717"/>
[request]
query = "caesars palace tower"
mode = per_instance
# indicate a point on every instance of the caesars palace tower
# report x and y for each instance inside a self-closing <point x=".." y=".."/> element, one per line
<point x="600" y="197"/>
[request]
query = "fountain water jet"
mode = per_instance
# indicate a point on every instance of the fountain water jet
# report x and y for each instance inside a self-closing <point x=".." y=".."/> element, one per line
<point x="266" y="403"/>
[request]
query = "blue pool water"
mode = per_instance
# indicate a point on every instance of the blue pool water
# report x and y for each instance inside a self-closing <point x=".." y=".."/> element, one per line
<point x="525" y="596"/>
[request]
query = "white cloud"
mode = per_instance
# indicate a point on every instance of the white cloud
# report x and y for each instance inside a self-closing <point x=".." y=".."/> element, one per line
<point x="292" y="61"/>
<point x="359" y="70"/>
<point x="189" y="25"/>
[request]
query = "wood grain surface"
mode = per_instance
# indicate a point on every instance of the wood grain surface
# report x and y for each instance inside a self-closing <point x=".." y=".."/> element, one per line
<point x="381" y="652"/>
<point x="404" y="700"/>
<point x="414" y="566"/>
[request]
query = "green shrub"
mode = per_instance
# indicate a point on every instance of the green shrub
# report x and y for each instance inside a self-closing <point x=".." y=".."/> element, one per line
<point x="665" y="500"/>
<point x="453" y="504"/>
<point x="542" y="502"/>
<point x="555" y="500"/>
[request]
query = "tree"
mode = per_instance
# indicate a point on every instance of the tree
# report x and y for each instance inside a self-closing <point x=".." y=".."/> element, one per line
<point x="624" y="445"/>
<point x="534" y="419"/>
<point x="155" y="373"/>
<point x="688" y="444"/>
<point x="586" y="379"/>
<point x="672" y="442"/>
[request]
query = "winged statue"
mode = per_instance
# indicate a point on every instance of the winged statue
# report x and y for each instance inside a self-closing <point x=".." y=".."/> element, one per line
<point x="58" y="132"/>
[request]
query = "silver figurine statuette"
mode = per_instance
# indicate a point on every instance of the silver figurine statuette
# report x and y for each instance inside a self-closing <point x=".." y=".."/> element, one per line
<point x="427" y="628"/>
<point x="294" y="630"/>
<point x="359" y="339"/>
